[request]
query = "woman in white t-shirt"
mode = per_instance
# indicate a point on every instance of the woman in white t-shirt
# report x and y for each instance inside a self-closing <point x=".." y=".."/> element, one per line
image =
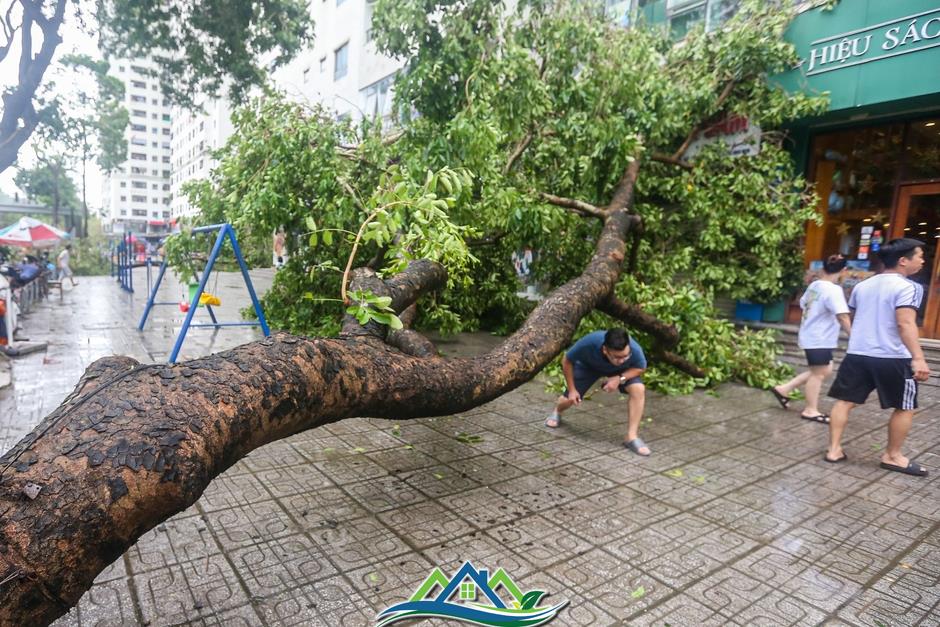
<point x="824" y="310"/>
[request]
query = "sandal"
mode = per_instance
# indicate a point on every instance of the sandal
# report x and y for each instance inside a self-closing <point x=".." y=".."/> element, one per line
<point x="913" y="468"/>
<point x="835" y="461"/>
<point x="783" y="400"/>
<point x="553" y="421"/>
<point x="823" y="418"/>
<point x="635" y="445"/>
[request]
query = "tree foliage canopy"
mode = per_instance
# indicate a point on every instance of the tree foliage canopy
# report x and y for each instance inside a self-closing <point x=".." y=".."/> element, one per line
<point x="543" y="108"/>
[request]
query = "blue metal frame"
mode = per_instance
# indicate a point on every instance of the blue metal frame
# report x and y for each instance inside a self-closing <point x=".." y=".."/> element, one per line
<point x="225" y="230"/>
<point x="125" y="267"/>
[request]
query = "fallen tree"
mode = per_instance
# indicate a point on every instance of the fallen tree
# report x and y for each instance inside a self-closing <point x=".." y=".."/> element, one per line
<point x="135" y="444"/>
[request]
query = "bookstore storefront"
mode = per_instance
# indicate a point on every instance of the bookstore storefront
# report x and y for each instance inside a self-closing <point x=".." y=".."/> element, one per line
<point x="875" y="157"/>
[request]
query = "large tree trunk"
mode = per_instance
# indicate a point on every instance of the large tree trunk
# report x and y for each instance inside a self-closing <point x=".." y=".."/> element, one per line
<point x="135" y="444"/>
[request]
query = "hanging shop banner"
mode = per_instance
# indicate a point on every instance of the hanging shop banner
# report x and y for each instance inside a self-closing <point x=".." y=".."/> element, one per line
<point x="739" y="133"/>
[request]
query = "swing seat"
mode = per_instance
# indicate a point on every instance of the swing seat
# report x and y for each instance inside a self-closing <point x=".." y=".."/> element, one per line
<point x="209" y="299"/>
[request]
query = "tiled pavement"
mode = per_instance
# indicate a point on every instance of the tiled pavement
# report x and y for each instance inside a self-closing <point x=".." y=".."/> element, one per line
<point x="735" y="519"/>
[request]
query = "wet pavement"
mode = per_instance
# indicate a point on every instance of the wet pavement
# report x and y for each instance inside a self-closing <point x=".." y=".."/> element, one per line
<point x="735" y="519"/>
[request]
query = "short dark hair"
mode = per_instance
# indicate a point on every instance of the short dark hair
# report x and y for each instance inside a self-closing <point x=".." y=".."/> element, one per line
<point x="834" y="263"/>
<point x="616" y="339"/>
<point x="892" y="252"/>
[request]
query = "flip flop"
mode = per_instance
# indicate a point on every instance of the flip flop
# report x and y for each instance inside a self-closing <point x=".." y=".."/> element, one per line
<point x="913" y="468"/>
<point x="835" y="461"/>
<point x="552" y="422"/>
<point x="783" y="400"/>
<point x="823" y="418"/>
<point x="635" y="445"/>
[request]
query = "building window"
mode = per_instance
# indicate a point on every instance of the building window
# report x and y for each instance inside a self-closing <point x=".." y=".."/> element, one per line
<point x="153" y="172"/>
<point x="322" y="65"/>
<point x="140" y="128"/>
<point x="376" y="98"/>
<point x="166" y="131"/>
<point x="166" y="117"/>
<point x="123" y="184"/>
<point x="123" y="199"/>
<point x="137" y="113"/>
<point x="139" y="84"/>
<point x="340" y="61"/>
<point x="137" y="198"/>
<point x="142" y="99"/>
<point x="138" y="185"/>
<point x="165" y="159"/>
<point x="139" y="212"/>
<point x="153" y="186"/>
<point x="138" y="156"/>
<point x="136" y="170"/>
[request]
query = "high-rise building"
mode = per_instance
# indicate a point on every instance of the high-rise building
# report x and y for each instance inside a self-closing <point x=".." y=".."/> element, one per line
<point x="136" y="196"/>
<point x="195" y="135"/>
<point x="343" y="71"/>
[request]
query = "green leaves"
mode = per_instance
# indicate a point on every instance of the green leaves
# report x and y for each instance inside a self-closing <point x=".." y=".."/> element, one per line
<point x="368" y="307"/>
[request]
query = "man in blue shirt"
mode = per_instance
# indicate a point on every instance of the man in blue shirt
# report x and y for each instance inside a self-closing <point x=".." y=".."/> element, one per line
<point x="614" y="355"/>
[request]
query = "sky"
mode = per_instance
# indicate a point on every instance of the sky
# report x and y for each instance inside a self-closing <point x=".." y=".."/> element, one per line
<point x="74" y="40"/>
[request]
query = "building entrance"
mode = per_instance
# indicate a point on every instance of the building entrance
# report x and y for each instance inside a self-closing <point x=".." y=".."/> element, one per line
<point x="918" y="216"/>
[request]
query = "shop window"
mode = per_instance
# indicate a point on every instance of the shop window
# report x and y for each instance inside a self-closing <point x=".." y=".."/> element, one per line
<point x="922" y="152"/>
<point x="856" y="174"/>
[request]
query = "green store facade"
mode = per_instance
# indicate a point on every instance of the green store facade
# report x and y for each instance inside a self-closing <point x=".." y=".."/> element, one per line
<point x="875" y="155"/>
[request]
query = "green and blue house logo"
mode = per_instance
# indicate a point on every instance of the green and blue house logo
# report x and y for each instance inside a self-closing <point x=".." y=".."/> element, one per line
<point x="522" y="610"/>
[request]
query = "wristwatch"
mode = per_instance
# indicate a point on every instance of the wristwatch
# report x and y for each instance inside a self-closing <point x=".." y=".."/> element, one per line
<point x="623" y="379"/>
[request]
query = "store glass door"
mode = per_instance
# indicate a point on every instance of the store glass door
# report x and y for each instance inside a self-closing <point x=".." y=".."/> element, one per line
<point x="918" y="216"/>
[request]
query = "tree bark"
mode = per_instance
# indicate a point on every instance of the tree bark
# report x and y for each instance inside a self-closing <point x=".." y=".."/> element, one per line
<point x="135" y="444"/>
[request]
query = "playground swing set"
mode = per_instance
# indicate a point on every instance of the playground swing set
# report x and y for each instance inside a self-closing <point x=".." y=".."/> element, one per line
<point x="199" y="297"/>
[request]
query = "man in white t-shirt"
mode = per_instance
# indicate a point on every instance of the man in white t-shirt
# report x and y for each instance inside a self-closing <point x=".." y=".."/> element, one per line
<point x="884" y="353"/>
<point x="824" y="310"/>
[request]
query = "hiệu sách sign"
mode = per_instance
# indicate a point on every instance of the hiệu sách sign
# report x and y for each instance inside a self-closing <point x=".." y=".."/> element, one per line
<point x="903" y="35"/>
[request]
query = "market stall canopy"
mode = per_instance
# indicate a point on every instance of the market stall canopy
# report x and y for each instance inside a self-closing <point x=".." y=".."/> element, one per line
<point x="30" y="232"/>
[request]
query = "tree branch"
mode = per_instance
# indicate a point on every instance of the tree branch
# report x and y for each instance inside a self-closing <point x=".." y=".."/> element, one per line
<point x="517" y="152"/>
<point x="634" y="317"/>
<point x="661" y="158"/>
<point x="680" y="363"/>
<point x="578" y="206"/>
<point x="18" y="103"/>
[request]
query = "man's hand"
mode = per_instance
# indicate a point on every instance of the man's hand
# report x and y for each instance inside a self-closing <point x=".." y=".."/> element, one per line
<point x="611" y="384"/>
<point x="574" y="396"/>
<point x="921" y="370"/>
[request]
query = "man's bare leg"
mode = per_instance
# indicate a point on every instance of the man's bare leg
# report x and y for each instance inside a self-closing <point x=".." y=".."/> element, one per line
<point x="898" y="427"/>
<point x="635" y="407"/>
<point x="561" y="405"/>
<point x="838" y="418"/>
<point x="817" y="374"/>
<point x="792" y="384"/>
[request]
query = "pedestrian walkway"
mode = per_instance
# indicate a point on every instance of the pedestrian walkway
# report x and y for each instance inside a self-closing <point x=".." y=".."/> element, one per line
<point x="735" y="519"/>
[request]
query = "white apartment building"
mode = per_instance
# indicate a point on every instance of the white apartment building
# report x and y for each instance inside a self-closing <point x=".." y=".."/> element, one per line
<point x="343" y="71"/>
<point x="136" y="196"/>
<point x="195" y="135"/>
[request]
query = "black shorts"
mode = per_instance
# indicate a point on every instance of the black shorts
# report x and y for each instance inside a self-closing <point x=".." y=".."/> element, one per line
<point x="584" y="379"/>
<point x="818" y="356"/>
<point x="893" y="378"/>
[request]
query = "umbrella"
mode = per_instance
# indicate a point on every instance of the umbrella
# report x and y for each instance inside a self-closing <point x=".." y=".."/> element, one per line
<point x="30" y="232"/>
